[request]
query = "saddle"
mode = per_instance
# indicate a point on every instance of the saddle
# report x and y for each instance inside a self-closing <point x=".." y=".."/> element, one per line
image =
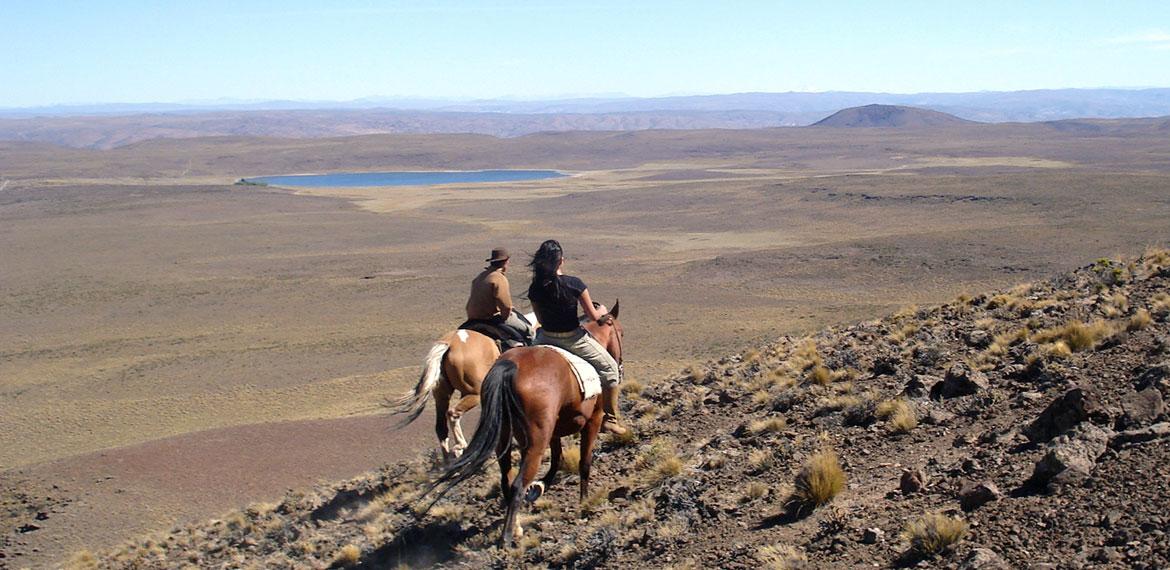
<point x="587" y="377"/>
<point x="505" y="336"/>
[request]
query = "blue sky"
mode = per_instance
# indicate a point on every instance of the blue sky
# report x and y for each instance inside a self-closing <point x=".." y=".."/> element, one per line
<point x="61" y="52"/>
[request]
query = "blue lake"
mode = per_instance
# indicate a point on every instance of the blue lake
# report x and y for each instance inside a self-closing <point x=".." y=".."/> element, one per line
<point x="408" y="178"/>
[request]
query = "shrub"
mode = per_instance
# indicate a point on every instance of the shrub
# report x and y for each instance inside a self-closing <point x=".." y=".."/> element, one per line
<point x="820" y="479"/>
<point x="932" y="533"/>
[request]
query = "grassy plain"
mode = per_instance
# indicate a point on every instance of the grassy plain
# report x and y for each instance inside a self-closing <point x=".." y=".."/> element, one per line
<point x="144" y="296"/>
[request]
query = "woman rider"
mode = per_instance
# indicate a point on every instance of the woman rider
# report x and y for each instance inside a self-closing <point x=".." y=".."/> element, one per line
<point x="555" y="298"/>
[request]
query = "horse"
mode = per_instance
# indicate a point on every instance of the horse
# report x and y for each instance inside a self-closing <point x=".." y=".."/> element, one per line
<point x="531" y="395"/>
<point x="457" y="362"/>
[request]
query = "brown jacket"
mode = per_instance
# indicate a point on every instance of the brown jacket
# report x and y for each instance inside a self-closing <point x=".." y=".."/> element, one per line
<point x="490" y="295"/>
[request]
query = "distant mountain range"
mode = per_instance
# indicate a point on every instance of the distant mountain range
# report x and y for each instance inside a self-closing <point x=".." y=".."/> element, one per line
<point x="108" y="125"/>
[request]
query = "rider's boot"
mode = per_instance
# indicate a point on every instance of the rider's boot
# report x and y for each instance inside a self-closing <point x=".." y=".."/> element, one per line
<point x="611" y="423"/>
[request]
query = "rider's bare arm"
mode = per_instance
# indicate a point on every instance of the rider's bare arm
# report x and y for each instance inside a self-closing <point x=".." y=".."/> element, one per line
<point x="587" y="306"/>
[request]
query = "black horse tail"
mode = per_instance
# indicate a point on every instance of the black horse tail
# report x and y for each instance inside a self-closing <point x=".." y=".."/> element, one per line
<point x="501" y="414"/>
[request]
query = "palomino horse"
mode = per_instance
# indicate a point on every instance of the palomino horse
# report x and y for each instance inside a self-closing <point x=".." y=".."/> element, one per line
<point x="457" y="362"/>
<point x="531" y="395"/>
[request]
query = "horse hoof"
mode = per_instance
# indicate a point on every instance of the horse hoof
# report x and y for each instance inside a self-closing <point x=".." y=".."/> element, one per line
<point x="535" y="490"/>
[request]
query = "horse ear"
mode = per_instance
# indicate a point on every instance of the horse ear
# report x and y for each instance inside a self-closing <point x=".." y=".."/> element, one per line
<point x="614" y="312"/>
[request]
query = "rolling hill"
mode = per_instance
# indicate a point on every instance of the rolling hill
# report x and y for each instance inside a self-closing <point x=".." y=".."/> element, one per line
<point x="889" y="116"/>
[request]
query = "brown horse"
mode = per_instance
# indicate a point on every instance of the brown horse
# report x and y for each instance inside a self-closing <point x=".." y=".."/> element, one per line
<point x="457" y="362"/>
<point x="531" y="395"/>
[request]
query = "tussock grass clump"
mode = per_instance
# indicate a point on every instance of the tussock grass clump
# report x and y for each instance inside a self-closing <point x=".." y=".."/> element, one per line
<point x="755" y="490"/>
<point x="1077" y="335"/>
<point x="899" y="336"/>
<point x="1140" y="320"/>
<point x="347" y="556"/>
<point x="932" y="533"/>
<point x="659" y="461"/>
<point x="820" y="479"/>
<point x="84" y="560"/>
<point x="761" y="460"/>
<point x="632" y="387"/>
<point x="767" y="425"/>
<point x="781" y="557"/>
<point x="571" y="459"/>
<point x="820" y="375"/>
<point x="804" y="357"/>
<point x="1116" y="305"/>
<point x="750" y="356"/>
<point x="900" y="414"/>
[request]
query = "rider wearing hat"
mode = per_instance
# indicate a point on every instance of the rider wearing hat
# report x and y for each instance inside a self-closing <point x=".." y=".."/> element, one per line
<point x="491" y="298"/>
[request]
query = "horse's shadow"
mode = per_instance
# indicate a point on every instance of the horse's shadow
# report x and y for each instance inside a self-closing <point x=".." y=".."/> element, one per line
<point x="420" y="546"/>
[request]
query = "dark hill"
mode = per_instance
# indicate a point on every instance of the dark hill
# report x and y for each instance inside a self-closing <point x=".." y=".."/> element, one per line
<point x="889" y="116"/>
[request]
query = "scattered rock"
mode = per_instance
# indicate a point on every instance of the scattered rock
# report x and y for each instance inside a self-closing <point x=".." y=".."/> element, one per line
<point x="1068" y="410"/>
<point x="919" y="384"/>
<point x="975" y="495"/>
<point x="978" y="338"/>
<point x="913" y="481"/>
<point x="983" y="559"/>
<point x="1140" y="409"/>
<point x="1071" y="457"/>
<point x="1157" y="376"/>
<point x="872" y="535"/>
<point x="961" y="380"/>
<point x="1156" y="431"/>
<point x="886" y="365"/>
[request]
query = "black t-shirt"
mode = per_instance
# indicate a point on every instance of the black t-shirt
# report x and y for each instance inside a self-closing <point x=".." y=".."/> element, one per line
<point x="559" y="315"/>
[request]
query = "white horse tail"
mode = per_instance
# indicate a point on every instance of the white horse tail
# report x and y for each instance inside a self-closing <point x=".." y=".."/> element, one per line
<point x="414" y="401"/>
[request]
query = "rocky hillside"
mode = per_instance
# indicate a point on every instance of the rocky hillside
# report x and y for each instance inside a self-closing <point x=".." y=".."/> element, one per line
<point x="889" y="116"/>
<point x="1019" y="429"/>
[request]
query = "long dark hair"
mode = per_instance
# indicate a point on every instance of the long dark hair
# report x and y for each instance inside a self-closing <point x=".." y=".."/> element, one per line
<point x="546" y="284"/>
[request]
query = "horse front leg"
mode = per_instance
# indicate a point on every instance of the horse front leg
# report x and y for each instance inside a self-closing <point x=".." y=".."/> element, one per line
<point x="588" y="438"/>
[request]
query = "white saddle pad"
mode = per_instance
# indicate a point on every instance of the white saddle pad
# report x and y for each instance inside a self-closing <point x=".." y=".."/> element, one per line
<point x="586" y="374"/>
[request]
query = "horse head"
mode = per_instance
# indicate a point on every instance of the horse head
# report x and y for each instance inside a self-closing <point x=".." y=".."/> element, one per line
<point x="608" y="333"/>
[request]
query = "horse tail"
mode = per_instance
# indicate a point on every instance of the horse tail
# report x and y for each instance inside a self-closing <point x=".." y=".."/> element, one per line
<point x="499" y="404"/>
<point x="414" y="401"/>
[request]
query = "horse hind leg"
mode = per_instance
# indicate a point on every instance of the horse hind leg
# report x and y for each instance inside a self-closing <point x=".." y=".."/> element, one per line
<point x="538" y="488"/>
<point x="529" y="467"/>
<point x="467" y="402"/>
<point x="442" y="395"/>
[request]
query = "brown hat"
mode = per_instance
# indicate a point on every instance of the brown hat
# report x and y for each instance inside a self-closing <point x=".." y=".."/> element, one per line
<point x="498" y="254"/>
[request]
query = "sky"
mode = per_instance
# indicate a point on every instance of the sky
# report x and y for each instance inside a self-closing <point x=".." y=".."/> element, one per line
<point x="130" y="51"/>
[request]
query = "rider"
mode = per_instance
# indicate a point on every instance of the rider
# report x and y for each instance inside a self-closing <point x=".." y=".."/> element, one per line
<point x="555" y="297"/>
<point x="491" y="300"/>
